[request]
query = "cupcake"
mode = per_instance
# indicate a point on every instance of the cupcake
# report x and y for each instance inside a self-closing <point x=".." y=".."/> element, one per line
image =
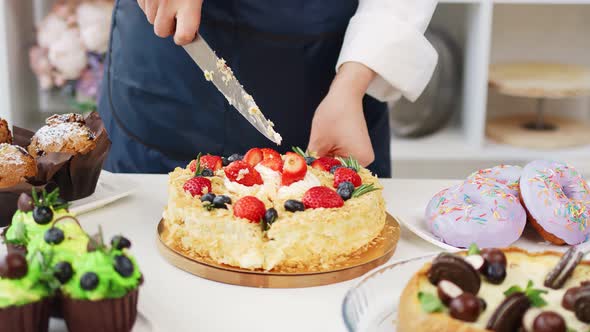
<point x="63" y="133"/>
<point x="106" y="281"/>
<point x="16" y="165"/>
<point x="5" y="134"/>
<point x="26" y="288"/>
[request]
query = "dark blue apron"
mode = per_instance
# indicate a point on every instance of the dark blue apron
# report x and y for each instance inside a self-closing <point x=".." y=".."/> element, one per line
<point x="160" y="112"/>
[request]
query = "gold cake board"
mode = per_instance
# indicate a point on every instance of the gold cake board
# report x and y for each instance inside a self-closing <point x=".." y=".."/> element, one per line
<point x="376" y="254"/>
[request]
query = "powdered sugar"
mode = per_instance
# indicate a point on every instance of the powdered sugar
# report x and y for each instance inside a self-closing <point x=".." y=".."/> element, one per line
<point x="61" y="133"/>
<point x="12" y="154"/>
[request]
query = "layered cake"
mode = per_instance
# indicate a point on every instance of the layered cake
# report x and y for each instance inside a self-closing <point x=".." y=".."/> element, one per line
<point x="274" y="212"/>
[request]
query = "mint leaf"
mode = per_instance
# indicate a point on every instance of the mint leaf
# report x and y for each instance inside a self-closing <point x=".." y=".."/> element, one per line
<point x="473" y="250"/>
<point x="512" y="290"/>
<point x="429" y="302"/>
<point x="534" y="296"/>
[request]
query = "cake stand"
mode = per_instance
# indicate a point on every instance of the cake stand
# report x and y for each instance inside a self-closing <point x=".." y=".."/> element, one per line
<point x="539" y="81"/>
<point x="378" y="252"/>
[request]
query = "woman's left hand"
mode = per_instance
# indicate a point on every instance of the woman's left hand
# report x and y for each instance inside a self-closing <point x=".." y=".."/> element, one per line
<point x="339" y="127"/>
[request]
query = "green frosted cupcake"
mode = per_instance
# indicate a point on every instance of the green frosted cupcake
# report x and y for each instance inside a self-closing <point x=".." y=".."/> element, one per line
<point x="104" y="280"/>
<point x="26" y="288"/>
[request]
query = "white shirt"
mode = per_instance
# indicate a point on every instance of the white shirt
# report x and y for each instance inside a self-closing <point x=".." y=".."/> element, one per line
<point x="388" y="37"/>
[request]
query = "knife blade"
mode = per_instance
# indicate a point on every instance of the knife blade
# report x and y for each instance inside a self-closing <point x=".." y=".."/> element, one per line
<point x="220" y="74"/>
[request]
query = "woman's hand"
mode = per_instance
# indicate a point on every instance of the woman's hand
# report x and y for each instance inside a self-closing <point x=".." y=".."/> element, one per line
<point x="178" y="17"/>
<point x="339" y="127"/>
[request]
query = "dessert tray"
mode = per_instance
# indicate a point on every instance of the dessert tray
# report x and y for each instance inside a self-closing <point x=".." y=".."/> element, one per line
<point x="378" y="252"/>
<point x="110" y="188"/>
<point x="371" y="305"/>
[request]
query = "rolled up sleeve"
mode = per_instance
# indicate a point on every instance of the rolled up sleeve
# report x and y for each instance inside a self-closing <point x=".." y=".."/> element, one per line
<point x="388" y="37"/>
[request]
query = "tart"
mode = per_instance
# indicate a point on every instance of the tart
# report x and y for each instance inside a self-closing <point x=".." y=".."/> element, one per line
<point x="502" y="290"/>
<point x="272" y="212"/>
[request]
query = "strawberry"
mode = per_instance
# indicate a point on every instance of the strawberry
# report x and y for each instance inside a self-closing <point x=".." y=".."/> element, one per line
<point x="253" y="156"/>
<point x="276" y="164"/>
<point x="242" y="173"/>
<point x="268" y="153"/>
<point x="249" y="207"/>
<point x="325" y="163"/>
<point x="344" y="174"/>
<point x="294" y="169"/>
<point x="197" y="186"/>
<point x="213" y="163"/>
<point x="322" y="197"/>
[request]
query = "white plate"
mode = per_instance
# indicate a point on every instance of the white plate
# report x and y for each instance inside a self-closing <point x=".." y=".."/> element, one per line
<point x="110" y="188"/>
<point x="142" y="324"/>
<point x="530" y="239"/>
<point x="371" y="305"/>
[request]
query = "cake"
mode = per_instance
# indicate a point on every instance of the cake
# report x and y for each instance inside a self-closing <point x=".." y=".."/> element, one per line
<point x="16" y="165"/>
<point x="63" y="133"/>
<point x="503" y="290"/>
<point x="272" y="212"/>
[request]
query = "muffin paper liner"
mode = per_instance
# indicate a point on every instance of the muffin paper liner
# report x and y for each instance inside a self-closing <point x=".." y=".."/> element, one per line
<point x="109" y="315"/>
<point x="33" y="317"/>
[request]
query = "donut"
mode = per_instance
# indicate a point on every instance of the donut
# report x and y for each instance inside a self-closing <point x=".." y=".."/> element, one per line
<point x="486" y="214"/>
<point x="557" y="200"/>
<point x="507" y="175"/>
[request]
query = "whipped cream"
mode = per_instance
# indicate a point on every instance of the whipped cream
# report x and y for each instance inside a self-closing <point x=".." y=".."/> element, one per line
<point x="297" y="189"/>
<point x="271" y="181"/>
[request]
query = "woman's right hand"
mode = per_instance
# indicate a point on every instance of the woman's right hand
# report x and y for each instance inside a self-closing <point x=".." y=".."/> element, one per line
<point x="180" y="18"/>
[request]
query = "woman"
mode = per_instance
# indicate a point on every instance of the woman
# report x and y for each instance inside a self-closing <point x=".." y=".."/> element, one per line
<point x="160" y="111"/>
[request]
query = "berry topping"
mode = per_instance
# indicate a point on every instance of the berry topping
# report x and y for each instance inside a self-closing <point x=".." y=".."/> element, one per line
<point x="344" y="174"/>
<point x="276" y="164"/>
<point x="294" y="206"/>
<point x="207" y="172"/>
<point x="549" y="321"/>
<point x="242" y="173"/>
<point x="42" y="215"/>
<point x="309" y="160"/>
<point x="325" y="163"/>
<point x="345" y="190"/>
<point x="465" y="307"/>
<point x="120" y="242"/>
<point x="270" y="216"/>
<point x="25" y="202"/>
<point x="54" y="235"/>
<point x="234" y="157"/>
<point x="221" y="201"/>
<point x="213" y="163"/>
<point x="13" y="266"/>
<point x="249" y="207"/>
<point x="208" y="197"/>
<point x="123" y="266"/>
<point x="63" y="272"/>
<point x="268" y="153"/>
<point x="334" y="168"/>
<point x="495" y="273"/>
<point x="225" y="161"/>
<point x="253" y="156"/>
<point x="322" y="197"/>
<point x="197" y="186"/>
<point x="294" y="169"/>
<point x="89" y="281"/>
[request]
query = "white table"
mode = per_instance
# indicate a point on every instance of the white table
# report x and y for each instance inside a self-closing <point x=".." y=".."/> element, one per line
<point x="177" y="301"/>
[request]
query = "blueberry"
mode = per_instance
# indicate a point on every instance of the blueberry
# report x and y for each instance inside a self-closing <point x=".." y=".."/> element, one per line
<point x="345" y="193"/>
<point x="123" y="266"/>
<point x="224" y="161"/>
<point x="63" y="272"/>
<point x="235" y="157"/>
<point x="120" y="242"/>
<point x="220" y="202"/>
<point x="346" y="185"/>
<point x="89" y="281"/>
<point x="334" y="168"/>
<point x="42" y="215"/>
<point x="495" y="273"/>
<point x="207" y="172"/>
<point x="309" y="160"/>
<point x="208" y="197"/>
<point x="54" y="236"/>
<point x="270" y="216"/>
<point x="294" y="206"/>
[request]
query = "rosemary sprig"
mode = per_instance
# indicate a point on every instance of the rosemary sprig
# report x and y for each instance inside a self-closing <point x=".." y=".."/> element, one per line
<point x="363" y="189"/>
<point x="299" y="151"/>
<point x="350" y="162"/>
<point x="198" y="169"/>
<point x="49" y="200"/>
<point x="47" y="275"/>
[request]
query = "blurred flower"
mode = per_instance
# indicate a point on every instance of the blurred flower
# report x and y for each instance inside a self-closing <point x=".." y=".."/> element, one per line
<point x="50" y="30"/>
<point x="68" y="54"/>
<point x="94" y="20"/>
<point x="89" y="83"/>
<point x="41" y="66"/>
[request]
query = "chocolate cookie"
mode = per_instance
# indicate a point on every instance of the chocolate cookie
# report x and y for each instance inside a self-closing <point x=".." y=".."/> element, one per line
<point x="557" y="277"/>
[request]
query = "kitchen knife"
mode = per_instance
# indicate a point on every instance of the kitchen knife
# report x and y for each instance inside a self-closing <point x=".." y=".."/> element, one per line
<point x="221" y="75"/>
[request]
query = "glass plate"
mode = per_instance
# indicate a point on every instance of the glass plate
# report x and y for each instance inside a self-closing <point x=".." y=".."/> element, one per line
<point x="371" y="305"/>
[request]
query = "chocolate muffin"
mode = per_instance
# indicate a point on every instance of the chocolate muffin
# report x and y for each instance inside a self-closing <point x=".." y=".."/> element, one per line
<point x="63" y="133"/>
<point x="5" y="134"/>
<point x="15" y="165"/>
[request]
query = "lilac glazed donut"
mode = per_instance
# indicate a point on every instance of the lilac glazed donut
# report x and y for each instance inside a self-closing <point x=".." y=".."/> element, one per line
<point x="557" y="199"/>
<point x="507" y="175"/>
<point x="484" y="214"/>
